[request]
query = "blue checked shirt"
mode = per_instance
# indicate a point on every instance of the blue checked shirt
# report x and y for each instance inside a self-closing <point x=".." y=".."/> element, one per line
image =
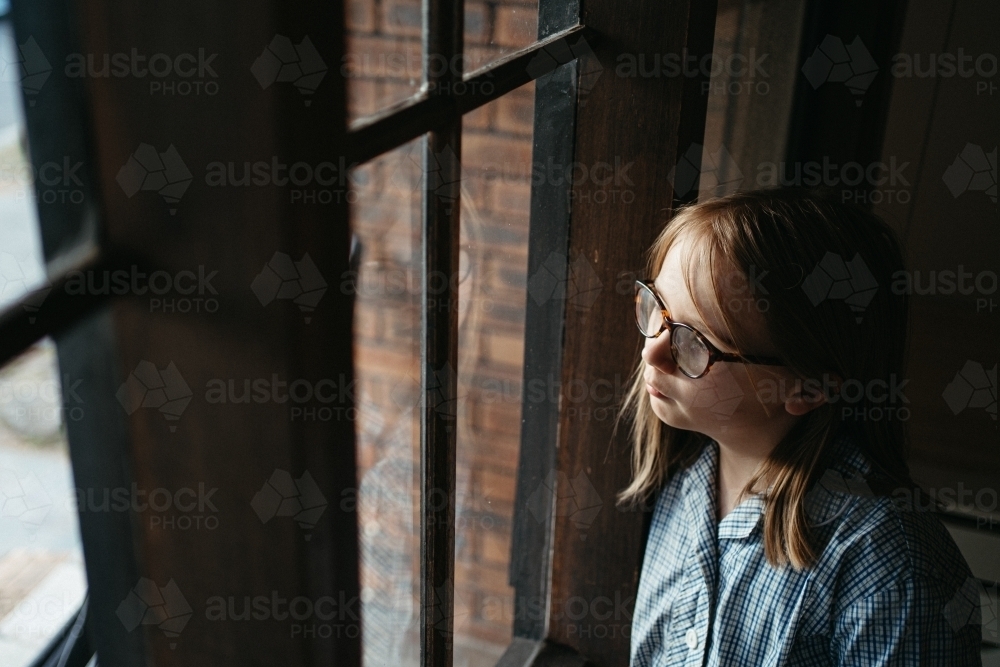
<point x="889" y="588"/>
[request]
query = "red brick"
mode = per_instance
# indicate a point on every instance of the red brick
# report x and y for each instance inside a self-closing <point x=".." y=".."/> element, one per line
<point x="516" y="25"/>
<point x="401" y="17"/>
<point x="481" y="118"/>
<point x="491" y="153"/>
<point x="384" y="58"/>
<point x="480" y="56"/>
<point x="511" y="197"/>
<point x="478" y="23"/>
<point x="497" y="486"/>
<point x="360" y="98"/>
<point x="496" y="547"/>
<point x="516" y="111"/>
<point x="504" y="349"/>
<point x="361" y="15"/>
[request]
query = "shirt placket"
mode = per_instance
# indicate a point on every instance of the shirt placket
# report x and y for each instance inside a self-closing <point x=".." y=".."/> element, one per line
<point x="700" y="509"/>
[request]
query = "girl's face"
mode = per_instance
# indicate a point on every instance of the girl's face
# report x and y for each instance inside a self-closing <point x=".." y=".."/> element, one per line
<point x="723" y="404"/>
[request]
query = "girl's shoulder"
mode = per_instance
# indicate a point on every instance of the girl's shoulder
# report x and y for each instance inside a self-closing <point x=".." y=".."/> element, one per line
<point x="871" y="537"/>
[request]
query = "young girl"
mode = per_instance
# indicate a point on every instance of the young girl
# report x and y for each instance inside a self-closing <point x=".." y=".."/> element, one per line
<point x="771" y="337"/>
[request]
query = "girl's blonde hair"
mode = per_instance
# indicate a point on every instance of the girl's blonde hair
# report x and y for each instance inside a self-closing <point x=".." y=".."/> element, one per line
<point x="787" y="241"/>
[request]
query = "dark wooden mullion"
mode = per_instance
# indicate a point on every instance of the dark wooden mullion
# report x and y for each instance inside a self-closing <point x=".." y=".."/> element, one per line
<point x="396" y="125"/>
<point x="645" y="124"/>
<point x="24" y="322"/>
<point x="443" y="36"/>
<point x="555" y="112"/>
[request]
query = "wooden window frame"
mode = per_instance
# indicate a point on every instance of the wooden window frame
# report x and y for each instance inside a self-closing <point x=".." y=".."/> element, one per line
<point x="647" y="122"/>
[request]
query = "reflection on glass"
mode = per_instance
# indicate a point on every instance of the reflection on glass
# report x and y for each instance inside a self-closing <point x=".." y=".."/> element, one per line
<point x="383" y="59"/>
<point x="42" y="581"/>
<point x="494" y="29"/>
<point x="496" y="196"/>
<point x="22" y="269"/>
<point x="386" y="220"/>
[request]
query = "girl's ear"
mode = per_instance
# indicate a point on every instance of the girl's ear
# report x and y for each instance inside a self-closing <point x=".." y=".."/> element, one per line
<point x="809" y="395"/>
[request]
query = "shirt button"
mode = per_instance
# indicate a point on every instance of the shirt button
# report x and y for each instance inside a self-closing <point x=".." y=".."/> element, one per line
<point x="691" y="638"/>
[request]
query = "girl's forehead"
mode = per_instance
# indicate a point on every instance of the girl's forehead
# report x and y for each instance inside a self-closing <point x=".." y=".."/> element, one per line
<point x="685" y="280"/>
<point x="687" y="283"/>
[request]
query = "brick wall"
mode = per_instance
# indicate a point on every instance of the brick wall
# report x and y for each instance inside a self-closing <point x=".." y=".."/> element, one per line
<point x="384" y="66"/>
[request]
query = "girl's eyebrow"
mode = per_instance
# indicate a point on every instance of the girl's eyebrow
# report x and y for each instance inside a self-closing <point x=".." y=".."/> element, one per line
<point x="696" y="323"/>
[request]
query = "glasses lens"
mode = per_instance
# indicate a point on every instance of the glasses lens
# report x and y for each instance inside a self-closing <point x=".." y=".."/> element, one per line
<point x="690" y="353"/>
<point x="648" y="315"/>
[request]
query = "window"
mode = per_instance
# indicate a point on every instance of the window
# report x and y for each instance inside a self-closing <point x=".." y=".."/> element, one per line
<point x="369" y="335"/>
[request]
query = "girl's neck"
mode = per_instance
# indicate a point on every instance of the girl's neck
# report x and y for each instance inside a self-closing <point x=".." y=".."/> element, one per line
<point x="736" y="467"/>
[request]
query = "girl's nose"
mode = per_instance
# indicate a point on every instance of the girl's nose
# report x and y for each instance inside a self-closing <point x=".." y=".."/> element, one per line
<point x="656" y="352"/>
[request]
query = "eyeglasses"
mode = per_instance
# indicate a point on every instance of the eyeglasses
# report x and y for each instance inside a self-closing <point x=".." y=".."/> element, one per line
<point x="693" y="353"/>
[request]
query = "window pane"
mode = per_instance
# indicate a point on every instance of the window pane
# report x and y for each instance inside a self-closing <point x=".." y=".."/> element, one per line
<point x="496" y="197"/>
<point x="385" y="217"/>
<point x="22" y="267"/>
<point x="383" y="59"/>
<point x="42" y="580"/>
<point x="495" y="29"/>
<point x="753" y="73"/>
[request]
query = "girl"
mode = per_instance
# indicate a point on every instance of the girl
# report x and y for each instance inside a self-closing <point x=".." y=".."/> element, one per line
<point x="771" y="337"/>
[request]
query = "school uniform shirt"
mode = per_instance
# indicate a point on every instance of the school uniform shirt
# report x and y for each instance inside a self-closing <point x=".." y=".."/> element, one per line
<point x="890" y="588"/>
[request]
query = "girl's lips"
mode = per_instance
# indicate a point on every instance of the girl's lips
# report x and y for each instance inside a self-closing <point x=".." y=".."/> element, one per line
<point x="654" y="393"/>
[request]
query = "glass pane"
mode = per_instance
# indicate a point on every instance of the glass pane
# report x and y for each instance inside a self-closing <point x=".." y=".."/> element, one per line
<point x="753" y="72"/>
<point x="383" y="60"/>
<point x="22" y="267"/>
<point x="496" y="197"/>
<point x="42" y="580"/>
<point x="386" y="219"/>
<point x="494" y="29"/>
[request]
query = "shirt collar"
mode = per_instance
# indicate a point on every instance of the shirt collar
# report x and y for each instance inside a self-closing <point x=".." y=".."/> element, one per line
<point x="740" y="523"/>
<point x="827" y="500"/>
